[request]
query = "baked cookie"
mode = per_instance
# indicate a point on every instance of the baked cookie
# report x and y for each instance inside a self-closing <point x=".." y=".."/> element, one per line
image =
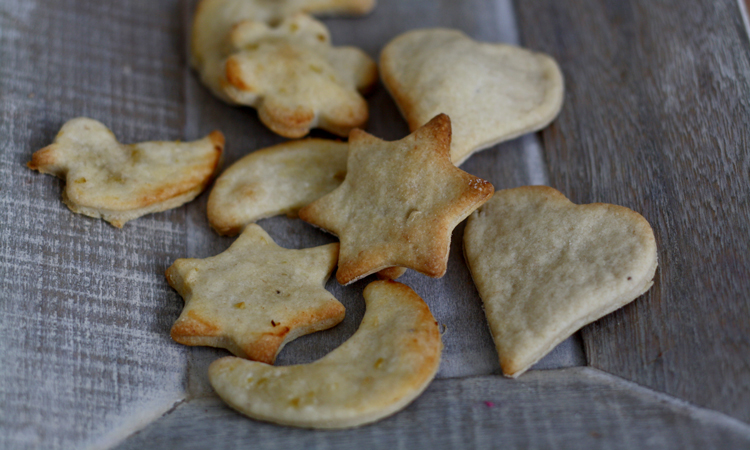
<point x="275" y="180"/>
<point x="385" y="365"/>
<point x="117" y="182"/>
<point x="492" y="92"/>
<point x="255" y="297"/>
<point x="399" y="203"/>
<point x="214" y="20"/>
<point x="290" y="71"/>
<point x="546" y="267"/>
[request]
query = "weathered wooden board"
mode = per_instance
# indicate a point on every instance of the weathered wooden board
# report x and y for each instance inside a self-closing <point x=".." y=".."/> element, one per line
<point x="657" y="118"/>
<point x="562" y="409"/>
<point x="84" y="310"/>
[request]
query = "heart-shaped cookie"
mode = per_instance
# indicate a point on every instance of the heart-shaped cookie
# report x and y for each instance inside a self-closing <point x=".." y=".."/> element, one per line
<point x="545" y="267"/>
<point x="492" y="92"/>
<point x="255" y="297"/>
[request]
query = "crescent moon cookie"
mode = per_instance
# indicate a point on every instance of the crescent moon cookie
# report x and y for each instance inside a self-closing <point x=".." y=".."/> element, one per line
<point x="255" y="297"/>
<point x="385" y="365"/>
<point x="290" y="72"/>
<point x="545" y="267"/>
<point x="275" y="180"/>
<point x="492" y="92"/>
<point x="117" y="182"/>
<point x="399" y="203"/>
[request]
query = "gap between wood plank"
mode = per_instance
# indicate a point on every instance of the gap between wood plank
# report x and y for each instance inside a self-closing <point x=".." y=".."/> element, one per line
<point x="479" y="410"/>
<point x="657" y="119"/>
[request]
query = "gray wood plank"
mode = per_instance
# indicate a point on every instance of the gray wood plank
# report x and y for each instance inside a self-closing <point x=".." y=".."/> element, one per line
<point x="657" y="118"/>
<point x="562" y="409"/>
<point x="453" y="299"/>
<point x="84" y="309"/>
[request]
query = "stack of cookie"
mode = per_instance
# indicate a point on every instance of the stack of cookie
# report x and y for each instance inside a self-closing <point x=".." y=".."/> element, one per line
<point x="543" y="266"/>
<point x="276" y="58"/>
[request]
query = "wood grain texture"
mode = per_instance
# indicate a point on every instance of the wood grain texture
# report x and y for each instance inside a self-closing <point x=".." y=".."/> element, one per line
<point x="84" y="309"/>
<point x="657" y="118"/>
<point x="563" y="409"/>
<point x="469" y="349"/>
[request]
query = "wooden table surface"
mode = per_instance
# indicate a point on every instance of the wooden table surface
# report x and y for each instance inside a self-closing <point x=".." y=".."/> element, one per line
<point x="656" y="118"/>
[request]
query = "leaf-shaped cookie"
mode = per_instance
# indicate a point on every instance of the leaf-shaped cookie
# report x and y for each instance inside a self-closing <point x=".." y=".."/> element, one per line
<point x="546" y="267"/>
<point x="120" y="182"/>
<point x="289" y="71"/>
<point x="275" y="180"/>
<point x="492" y="92"/>
<point x="385" y="365"/>
<point x="255" y="297"/>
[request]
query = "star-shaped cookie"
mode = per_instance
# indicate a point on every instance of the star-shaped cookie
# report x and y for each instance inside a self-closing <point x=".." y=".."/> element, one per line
<point x="399" y="203"/>
<point x="117" y="182"/>
<point x="255" y="297"/>
<point x="492" y="92"/>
